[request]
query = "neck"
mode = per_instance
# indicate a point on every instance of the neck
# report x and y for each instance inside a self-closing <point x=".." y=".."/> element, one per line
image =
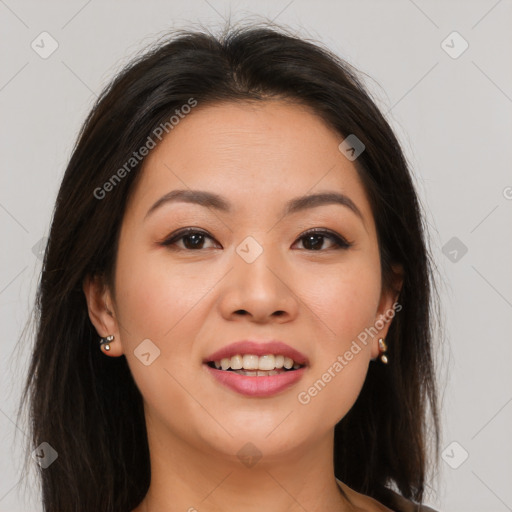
<point x="190" y="478"/>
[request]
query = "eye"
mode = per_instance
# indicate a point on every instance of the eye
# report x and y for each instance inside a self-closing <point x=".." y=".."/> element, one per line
<point x="193" y="239"/>
<point x="311" y="239"/>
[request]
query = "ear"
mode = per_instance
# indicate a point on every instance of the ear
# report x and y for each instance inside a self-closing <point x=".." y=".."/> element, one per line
<point x="101" y="312"/>
<point x="388" y="307"/>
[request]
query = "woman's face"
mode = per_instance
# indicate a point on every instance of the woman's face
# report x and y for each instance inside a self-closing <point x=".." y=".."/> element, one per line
<point x="248" y="272"/>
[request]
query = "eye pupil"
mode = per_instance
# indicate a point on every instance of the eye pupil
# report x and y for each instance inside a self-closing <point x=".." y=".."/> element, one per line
<point x="197" y="240"/>
<point x="317" y="244"/>
<point x="313" y="241"/>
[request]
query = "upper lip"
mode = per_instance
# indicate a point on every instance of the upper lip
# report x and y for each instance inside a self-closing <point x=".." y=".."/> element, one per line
<point x="259" y="349"/>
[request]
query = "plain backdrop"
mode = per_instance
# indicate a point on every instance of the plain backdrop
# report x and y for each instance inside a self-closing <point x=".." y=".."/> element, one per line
<point x="447" y="95"/>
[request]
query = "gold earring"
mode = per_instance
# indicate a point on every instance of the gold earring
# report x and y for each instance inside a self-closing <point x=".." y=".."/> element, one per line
<point x="382" y="348"/>
<point x="104" y="342"/>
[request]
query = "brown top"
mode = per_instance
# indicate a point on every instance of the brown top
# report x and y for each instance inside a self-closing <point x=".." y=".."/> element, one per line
<point x="398" y="502"/>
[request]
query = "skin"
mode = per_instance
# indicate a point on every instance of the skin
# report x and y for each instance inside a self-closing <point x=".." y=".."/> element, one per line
<point x="188" y="302"/>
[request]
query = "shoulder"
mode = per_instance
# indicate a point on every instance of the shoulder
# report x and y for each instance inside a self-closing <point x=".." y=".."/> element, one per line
<point x="401" y="504"/>
<point x="368" y="504"/>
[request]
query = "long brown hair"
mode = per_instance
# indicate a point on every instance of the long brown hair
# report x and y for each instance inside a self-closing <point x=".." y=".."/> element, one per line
<point x="77" y="397"/>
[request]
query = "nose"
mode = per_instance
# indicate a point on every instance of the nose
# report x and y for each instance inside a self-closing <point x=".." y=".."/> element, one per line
<point x="263" y="291"/>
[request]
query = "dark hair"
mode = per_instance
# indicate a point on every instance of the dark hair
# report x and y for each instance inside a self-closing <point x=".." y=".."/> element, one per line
<point x="79" y="397"/>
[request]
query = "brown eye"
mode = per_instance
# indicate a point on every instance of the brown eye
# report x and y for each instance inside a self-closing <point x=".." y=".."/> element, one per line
<point x="193" y="239"/>
<point x="314" y="239"/>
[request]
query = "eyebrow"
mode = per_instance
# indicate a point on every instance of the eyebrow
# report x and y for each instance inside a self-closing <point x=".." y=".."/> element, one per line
<point x="297" y="204"/>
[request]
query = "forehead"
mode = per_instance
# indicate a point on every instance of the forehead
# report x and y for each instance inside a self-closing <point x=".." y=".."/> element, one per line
<point x="252" y="153"/>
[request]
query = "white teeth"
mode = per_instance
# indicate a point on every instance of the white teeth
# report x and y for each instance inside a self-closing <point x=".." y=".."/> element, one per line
<point x="266" y="363"/>
<point x="237" y="362"/>
<point x="257" y="373"/>
<point x="250" y="362"/>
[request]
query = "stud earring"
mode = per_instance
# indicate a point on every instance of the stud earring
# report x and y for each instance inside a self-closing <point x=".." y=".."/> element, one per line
<point x="104" y="342"/>
<point x="382" y="349"/>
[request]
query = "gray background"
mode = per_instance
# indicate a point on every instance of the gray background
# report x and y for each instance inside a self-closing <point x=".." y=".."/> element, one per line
<point x="452" y="115"/>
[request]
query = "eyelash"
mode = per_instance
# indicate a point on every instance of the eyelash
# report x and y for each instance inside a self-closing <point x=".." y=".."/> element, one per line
<point x="339" y="241"/>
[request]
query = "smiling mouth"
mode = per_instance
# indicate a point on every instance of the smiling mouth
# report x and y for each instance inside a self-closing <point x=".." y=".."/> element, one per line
<point x="252" y="366"/>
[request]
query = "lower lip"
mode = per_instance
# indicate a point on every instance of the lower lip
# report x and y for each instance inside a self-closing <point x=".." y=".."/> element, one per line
<point x="257" y="386"/>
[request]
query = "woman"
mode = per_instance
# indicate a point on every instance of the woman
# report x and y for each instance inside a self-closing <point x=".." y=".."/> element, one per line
<point x="235" y="307"/>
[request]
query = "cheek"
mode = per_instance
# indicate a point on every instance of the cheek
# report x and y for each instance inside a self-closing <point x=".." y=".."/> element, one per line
<point x="331" y="392"/>
<point x="153" y="302"/>
<point x="154" y="293"/>
<point x="345" y="304"/>
<point x="345" y="299"/>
